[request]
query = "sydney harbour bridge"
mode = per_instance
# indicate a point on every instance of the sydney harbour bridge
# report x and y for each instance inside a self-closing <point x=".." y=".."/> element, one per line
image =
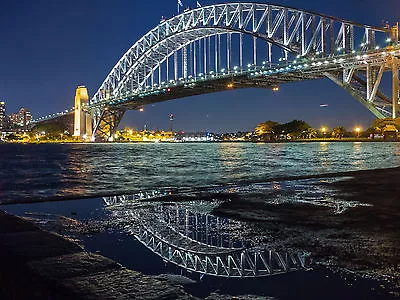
<point x="242" y="45"/>
<point x="187" y="235"/>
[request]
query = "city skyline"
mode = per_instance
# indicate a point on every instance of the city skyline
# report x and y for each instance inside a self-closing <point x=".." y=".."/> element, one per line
<point x="55" y="66"/>
<point x="14" y="121"/>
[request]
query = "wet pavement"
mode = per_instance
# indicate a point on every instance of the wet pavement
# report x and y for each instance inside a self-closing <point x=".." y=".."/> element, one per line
<point x="40" y="265"/>
<point x="348" y="222"/>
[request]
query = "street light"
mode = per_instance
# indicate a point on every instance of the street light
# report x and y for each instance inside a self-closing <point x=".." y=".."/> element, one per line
<point x="324" y="130"/>
<point x="357" y="130"/>
<point x="171" y="120"/>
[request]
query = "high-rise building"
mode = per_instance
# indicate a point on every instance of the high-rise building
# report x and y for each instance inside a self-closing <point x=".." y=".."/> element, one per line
<point x="25" y="117"/>
<point x="2" y="115"/>
<point x="20" y="120"/>
<point x="13" y="119"/>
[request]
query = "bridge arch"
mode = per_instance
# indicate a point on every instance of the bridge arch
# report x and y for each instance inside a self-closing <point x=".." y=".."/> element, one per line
<point x="187" y="235"/>
<point x="296" y="31"/>
<point x="202" y="44"/>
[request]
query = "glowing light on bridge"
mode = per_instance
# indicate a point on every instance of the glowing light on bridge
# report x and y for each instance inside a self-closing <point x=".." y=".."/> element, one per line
<point x="193" y="53"/>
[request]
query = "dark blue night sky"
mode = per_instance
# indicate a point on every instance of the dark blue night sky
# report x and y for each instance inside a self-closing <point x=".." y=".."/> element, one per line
<point x="48" y="48"/>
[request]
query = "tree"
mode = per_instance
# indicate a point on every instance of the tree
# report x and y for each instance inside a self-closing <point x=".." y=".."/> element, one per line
<point x="372" y="131"/>
<point x="311" y="133"/>
<point x="55" y="127"/>
<point x="266" y="127"/>
<point x="266" y="131"/>
<point x="295" y="128"/>
<point x="338" y="132"/>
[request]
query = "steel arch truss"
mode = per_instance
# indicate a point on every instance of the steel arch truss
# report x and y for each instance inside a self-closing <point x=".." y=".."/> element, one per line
<point x="198" y="241"/>
<point x="362" y="76"/>
<point x="202" y="50"/>
<point x="294" y="30"/>
<point x="254" y="262"/>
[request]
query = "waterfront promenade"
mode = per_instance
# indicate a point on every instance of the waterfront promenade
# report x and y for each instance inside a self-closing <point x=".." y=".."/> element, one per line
<point x="40" y="265"/>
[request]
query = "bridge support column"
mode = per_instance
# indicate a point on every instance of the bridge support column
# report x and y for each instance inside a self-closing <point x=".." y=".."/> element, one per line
<point x="82" y="120"/>
<point x="343" y="79"/>
<point x="228" y="51"/>
<point x="241" y="52"/>
<point x="363" y="82"/>
<point x="106" y="124"/>
<point x="395" y="87"/>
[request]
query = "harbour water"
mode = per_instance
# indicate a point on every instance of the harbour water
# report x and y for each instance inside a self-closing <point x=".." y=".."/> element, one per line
<point x="54" y="172"/>
<point x="194" y="178"/>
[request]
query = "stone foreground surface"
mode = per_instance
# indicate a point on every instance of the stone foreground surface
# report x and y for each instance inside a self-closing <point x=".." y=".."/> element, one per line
<point x="360" y="240"/>
<point x="35" y="264"/>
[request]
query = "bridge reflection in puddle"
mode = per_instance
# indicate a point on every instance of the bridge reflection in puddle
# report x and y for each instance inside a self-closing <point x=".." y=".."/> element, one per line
<point x="189" y="236"/>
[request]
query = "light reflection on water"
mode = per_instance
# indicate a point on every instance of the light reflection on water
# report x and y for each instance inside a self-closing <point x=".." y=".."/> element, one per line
<point x="40" y="172"/>
<point x="189" y="236"/>
<point x="133" y="254"/>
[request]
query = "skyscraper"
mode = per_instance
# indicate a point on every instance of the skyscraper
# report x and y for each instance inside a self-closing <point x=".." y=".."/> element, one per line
<point x="20" y="120"/>
<point x="13" y="120"/>
<point x="25" y="117"/>
<point x="2" y="115"/>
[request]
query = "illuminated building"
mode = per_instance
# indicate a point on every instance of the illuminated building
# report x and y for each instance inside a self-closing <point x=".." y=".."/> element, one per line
<point x="2" y="115"/>
<point x="21" y="119"/>
<point x="25" y="117"/>
<point x="13" y="119"/>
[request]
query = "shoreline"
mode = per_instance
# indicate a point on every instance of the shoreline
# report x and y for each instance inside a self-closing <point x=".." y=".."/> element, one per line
<point x="318" y="140"/>
<point x="341" y="174"/>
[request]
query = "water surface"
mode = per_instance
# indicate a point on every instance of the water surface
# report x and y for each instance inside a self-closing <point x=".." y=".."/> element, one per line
<point x="56" y="171"/>
<point x="35" y="173"/>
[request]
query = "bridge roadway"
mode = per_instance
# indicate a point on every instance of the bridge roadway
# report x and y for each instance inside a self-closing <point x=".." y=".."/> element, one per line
<point x="264" y="76"/>
<point x="256" y="77"/>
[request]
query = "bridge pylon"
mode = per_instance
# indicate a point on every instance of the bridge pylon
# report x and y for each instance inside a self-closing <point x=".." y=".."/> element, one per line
<point x="82" y="119"/>
<point x="394" y="34"/>
<point x="395" y="86"/>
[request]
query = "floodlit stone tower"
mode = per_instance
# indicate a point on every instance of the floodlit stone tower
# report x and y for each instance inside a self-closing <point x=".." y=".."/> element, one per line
<point x="82" y="120"/>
